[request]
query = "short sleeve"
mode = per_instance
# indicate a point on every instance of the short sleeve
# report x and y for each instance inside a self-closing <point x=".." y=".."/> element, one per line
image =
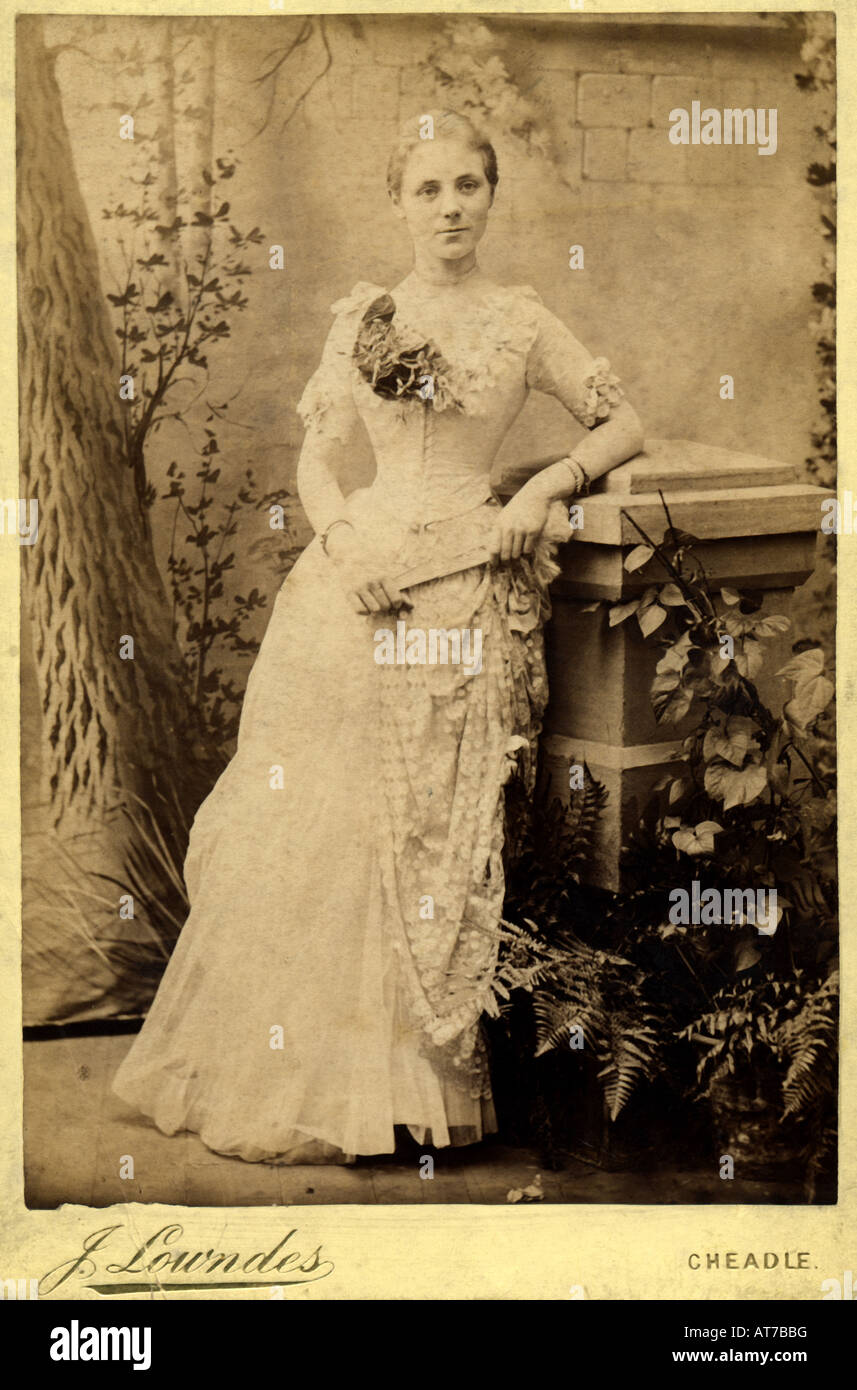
<point x="561" y="366"/>
<point x="327" y="404"/>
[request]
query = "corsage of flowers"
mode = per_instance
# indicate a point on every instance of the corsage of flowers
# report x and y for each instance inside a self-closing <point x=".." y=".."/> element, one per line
<point x="401" y="367"/>
<point x="602" y="390"/>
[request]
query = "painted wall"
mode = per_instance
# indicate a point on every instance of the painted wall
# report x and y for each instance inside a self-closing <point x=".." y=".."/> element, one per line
<point x="698" y="262"/>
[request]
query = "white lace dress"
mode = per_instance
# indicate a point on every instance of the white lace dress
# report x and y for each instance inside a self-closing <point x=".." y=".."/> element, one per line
<point x="345" y="873"/>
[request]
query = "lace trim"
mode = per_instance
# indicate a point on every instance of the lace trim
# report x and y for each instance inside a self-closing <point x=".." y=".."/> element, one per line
<point x="446" y="961"/>
<point x="479" y="343"/>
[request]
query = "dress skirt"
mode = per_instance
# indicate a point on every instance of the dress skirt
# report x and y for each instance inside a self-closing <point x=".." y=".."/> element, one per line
<point x="345" y="874"/>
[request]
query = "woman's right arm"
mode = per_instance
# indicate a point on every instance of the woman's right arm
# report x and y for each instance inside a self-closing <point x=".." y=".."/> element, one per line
<point x="320" y="494"/>
<point x="349" y="550"/>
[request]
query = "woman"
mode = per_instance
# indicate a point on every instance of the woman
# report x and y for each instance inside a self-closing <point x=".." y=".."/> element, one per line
<point x="345" y="873"/>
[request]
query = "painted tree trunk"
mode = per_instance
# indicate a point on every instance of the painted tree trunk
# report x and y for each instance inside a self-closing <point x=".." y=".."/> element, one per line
<point x="109" y="730"/>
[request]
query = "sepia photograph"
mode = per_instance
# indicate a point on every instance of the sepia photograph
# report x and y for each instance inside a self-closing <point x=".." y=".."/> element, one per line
<point x="428" y="533"/>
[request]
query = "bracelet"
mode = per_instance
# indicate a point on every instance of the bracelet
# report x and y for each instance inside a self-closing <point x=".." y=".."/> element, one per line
<point x="582" y="482"/>
<point x="340" y="521"/>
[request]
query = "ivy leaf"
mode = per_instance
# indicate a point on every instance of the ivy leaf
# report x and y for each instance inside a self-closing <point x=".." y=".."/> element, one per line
<point x="812" y="689"/>
<point x="770" y="625"/>
<point x="749" y="658"/>
<point x="810" y="699"/>
<point x="733" y="742"/>
<point x="650" y="618"/>
<point x="676" y="657"/>
<point x="746" y="956"/>
<point x="678" y="789"/>
<point x="730" y="596"/>
<point x="671" y="596"/>
<point x="671" y="701"/>
<point x="804" y="666"/>
<point x="620" y="611"/>
<point x="639" y="556"/>
<point x="697" y="840"/>
<point x="732" y="786"/>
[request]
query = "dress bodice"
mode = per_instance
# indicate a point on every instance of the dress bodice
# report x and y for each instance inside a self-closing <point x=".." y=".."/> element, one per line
<point x="434" y="451"/>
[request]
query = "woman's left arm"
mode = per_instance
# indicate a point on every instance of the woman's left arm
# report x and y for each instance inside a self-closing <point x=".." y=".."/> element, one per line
<point x="607" y="445"/>
<point x="524" y="517"/>
<point x="561" y="366"/>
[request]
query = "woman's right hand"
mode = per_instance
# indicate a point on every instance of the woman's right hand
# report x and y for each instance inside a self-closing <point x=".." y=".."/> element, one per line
<point x="362" y="576"/>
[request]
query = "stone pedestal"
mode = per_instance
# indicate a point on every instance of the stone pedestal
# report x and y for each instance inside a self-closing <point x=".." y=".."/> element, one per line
<point x="757" y="528"/>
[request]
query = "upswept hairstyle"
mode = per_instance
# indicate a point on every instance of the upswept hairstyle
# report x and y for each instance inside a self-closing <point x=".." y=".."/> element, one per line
<point x="446" y="125"/>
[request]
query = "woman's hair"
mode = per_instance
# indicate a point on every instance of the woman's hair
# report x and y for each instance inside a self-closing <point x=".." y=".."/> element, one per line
<point x="445" y="125"/>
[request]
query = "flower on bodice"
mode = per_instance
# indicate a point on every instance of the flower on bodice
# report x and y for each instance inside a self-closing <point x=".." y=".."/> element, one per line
<point x="399" y="365"/>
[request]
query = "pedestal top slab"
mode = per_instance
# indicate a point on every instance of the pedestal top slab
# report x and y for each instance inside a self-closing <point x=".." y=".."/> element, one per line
<point x="670" y="464"/>
<point x="684" y="465"/>
<point x="712" y="493"/>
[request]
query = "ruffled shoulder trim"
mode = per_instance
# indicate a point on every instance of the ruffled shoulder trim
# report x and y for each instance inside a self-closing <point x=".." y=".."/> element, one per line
<point x="359" y="298"/>
<point x="326" y="405"/>
<point x="528" y="293"/>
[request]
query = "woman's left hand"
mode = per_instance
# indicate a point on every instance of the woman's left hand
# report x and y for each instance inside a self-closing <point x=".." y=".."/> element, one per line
<point x="519" y="526"/>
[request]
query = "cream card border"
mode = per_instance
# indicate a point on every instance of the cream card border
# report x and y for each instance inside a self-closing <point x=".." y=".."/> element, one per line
<point x="434" y="1252"/>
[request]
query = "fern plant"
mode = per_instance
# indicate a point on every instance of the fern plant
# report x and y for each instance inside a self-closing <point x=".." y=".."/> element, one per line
<point x="772" y="1043"/>
<point x="586" y="995"/>
<point x="548" y="845"/>
<point x="596" y="1001"/>
<point x="807" y="1042"/>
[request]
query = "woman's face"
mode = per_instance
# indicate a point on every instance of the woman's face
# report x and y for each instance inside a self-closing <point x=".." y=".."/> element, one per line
<point x="444" y="198"/>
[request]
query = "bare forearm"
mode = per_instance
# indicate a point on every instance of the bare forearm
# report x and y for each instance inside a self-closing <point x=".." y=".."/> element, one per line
<point x="603" y="448"/>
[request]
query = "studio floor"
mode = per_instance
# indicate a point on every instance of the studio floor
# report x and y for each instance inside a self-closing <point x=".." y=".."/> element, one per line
<point x="76" y="1133"/>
